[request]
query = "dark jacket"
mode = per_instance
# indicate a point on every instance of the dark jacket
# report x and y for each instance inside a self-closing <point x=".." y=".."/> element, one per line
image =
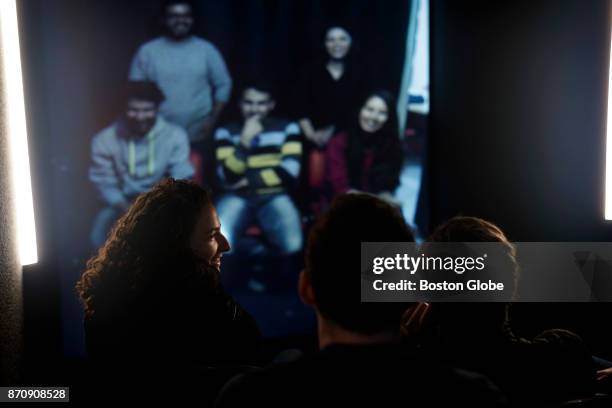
<point x="351" y="376"/>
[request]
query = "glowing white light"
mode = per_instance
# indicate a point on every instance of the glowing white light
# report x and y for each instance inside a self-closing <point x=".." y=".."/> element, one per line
<point x="608" y="198"/>
<point x="17" y="133"/>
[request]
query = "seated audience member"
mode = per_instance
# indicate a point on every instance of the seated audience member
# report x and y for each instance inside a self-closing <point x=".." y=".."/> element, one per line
<point x="154" y="307"/>
<point x="258" y="162"/>
<point x="133" y="154"/>
<point x="475" y="336"/>
<point x="361" y="362"/>
<point x="368" y="156"/>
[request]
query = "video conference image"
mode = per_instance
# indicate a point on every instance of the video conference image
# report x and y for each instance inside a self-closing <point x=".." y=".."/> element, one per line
<point x="305" y="203"/>
<point x="273" y="120"/>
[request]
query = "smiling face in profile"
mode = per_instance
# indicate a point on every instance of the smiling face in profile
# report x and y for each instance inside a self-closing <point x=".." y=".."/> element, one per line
<point x="207" y="241"/>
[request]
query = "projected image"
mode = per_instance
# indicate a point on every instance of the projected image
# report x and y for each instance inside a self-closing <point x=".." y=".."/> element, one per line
<point x="276" y="108"/>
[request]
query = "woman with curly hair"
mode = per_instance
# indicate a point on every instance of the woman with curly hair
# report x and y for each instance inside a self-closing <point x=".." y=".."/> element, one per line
<point x="152" y="292"/>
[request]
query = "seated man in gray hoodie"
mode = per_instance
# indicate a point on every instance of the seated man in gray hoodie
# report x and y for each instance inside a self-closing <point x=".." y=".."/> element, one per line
<point x="133" y="154"/>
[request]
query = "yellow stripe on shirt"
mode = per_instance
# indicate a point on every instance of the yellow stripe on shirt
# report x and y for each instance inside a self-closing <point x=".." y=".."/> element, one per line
<point x="292" y="148"/>
<point x="224" y="152"/>
<point x="264" y="160"/>
<point x="235" y="165"/>
<point x="270" y="177"/>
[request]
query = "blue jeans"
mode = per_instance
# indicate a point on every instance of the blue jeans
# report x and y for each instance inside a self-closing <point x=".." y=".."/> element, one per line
<point x="102" y="225"/>
<point x="276" y="216"/>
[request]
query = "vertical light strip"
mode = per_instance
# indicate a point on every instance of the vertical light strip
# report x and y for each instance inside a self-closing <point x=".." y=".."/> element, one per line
<point x="17" y="133"/>
<point x="608" y="187"/>
<point x="411" y="35"/>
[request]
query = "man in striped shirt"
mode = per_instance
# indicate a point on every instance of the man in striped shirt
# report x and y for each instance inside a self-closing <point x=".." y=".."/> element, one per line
<point x="258" y="161"/>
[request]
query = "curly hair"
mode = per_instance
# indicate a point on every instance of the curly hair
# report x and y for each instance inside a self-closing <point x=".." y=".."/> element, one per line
<point x="148" y="249"/>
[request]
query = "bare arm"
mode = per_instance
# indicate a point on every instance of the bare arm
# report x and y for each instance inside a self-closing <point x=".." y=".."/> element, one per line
<point x="307" y="128"/>
<point x="319" y="137"/>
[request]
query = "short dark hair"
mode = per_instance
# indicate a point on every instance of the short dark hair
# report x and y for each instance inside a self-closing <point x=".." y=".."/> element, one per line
<point x="333" y="257"/>
<point x="168" y="3"/>
<point x="259" y="84"/>
<point x="143" y="90"/>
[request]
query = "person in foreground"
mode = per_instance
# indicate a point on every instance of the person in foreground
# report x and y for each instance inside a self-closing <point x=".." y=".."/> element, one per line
<point x="361" y="362"/>
<point x="547" y="370"/>
<point x="154" y="307"/>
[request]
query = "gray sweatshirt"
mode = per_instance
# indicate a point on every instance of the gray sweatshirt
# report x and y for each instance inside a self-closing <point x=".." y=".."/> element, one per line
<point x="124" y="166"/>
<point x="192" y="75"/>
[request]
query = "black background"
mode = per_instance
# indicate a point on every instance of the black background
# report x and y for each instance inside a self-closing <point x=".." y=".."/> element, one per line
<point x="518" y="125"/>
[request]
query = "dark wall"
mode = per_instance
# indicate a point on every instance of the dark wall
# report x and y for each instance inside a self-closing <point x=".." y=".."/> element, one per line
<point x="519" y="96"/>
<point x="518" y="124"/>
